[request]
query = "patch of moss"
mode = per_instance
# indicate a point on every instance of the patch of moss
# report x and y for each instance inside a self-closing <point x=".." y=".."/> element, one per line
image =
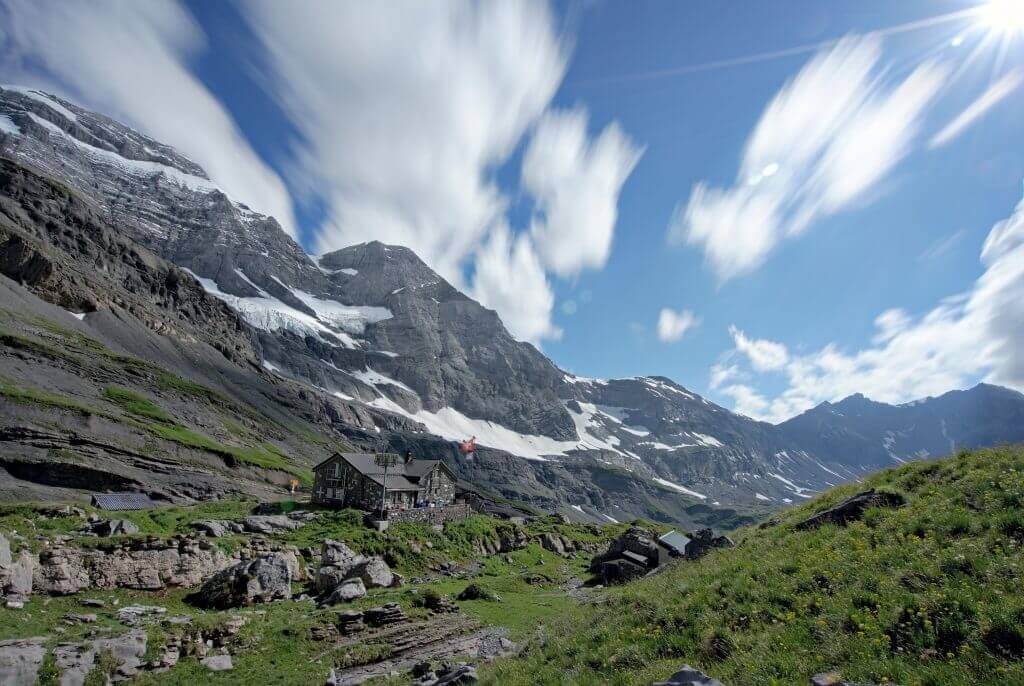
<point x="136" y="403"/>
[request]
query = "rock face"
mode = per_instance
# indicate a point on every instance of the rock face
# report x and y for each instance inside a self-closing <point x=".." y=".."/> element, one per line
<point x="556" y="543"/>
<point x="142" y="565"/>
<point x="15" y="573"/>
<point x="852" y="509"/>
<point x="255" y="581"/>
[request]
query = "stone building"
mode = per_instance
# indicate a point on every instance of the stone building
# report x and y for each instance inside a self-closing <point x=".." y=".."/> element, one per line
<point x="356" y="480"/>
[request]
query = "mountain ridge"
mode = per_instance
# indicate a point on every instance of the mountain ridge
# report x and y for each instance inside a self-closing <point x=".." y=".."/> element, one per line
<point x="396" y="354"/>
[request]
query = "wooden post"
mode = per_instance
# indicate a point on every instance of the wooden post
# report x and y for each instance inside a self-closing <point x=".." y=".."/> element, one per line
<point x="384" y="460"/>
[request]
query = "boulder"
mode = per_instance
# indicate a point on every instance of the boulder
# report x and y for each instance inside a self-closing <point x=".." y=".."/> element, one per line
<point x="328" y="578"/>
<point x="553" y="542"/>
<point x="449" y="675"/>
<point x="261" y="580"/>
<point x="217" y="663"/>
<point x="688" y="676"/>
<point x="112" y="527"/>
<point x="346" y="592"/>
<point x="269" y="524"/>
<point x="374" y="572"/>
<point x="704" y="541"/>
<point x="5" y="550"/>
<point x="337" y="554"/>
<point x="20" y="660"/>
<point x="477" y="592"/>
<point x="215" y="528"/>
<point x="16" y="576"/>
<point x="853" y="508"/>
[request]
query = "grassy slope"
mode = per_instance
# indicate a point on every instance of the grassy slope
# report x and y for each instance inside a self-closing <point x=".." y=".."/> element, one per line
<point x="67" y="347"/>
<point x="927" y="594"/>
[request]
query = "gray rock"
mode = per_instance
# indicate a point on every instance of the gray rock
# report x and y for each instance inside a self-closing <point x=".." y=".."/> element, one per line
<point x="269" y="524"/>
<point x="16" y="576"/>
<point x="214" y="528"/>
<point x="704" y="541"/>
<point x="112" y="527"/>
<point x="217" y="663"/>
<point x="688" y="676"/>
<point x="20" y="660"/>
<point x="254" y="581"/>
<point x="375" y="573"/>
<point x="346" y="592"/>
<point x="5" y="550"/>
<point x="65" y="570"/>
<point x="337" y="554"/>
<point x="853" y="508"/>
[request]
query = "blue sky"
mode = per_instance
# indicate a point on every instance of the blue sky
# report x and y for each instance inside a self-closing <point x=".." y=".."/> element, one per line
<point x="583" y="167"/>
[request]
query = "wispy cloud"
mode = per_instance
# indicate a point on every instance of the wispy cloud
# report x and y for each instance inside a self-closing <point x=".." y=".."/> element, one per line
<point x="963" y="338"/>
<point x="407" y="109"/>
<point x="131" y="60"/>
<point x="995" y="94"/>
<point x="672" y="325"/>
<point x="764" y="355"/>
<point x="576" y="183"/>
<point x="829" y="135"/>
<point x="942" y="246"/>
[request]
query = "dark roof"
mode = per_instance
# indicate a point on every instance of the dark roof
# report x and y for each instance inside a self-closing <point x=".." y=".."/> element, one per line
<point x="122" y="501"/>
<point x="420" y="468"/>
<point x="402" y="476"/>
<point x="675" y="540"/>
<point x="396" y="482"/>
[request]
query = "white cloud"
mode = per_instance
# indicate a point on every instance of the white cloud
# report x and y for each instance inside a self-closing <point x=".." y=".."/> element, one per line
<point x="722" y="373"/>
<point x="970" y="336"/>
<point x="576" y="183"/>
<point x="764" y="355"/>
<point x="673" y="325"/>
<point x="131" y="61"/>
<point x="405" y="109"/>
<point x="510" y="279"/>
<point x="995" y="94"/>
<point x="831" y="134"/>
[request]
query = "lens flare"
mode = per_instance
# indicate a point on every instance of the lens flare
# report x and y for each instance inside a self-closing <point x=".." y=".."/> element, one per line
<point x="1004" y="16"/>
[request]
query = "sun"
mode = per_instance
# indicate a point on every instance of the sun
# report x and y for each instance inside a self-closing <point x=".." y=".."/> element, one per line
<point x="1004" y="16"/>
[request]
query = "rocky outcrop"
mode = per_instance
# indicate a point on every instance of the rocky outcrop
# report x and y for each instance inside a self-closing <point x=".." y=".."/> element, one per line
<point x="556" y="543"/>
<point x="853" y="508"/>
<point x="20" y="660"/>
<point x="144" y="565"/>
<point x="688" y="676"/>
<point x="261" y="580"/>
<point x="15" y="574"/>
<point x="111" y="527"/>
<point x="508" y="539"/>
<point x="703" y="542"/>
<point x="75" y="661"/>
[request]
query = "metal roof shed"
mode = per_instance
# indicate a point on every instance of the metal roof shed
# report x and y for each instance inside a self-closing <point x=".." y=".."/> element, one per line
<point x="122" y="501"/>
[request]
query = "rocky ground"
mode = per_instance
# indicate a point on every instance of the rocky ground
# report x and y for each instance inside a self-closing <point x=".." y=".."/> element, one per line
<point x="217" y="594"/>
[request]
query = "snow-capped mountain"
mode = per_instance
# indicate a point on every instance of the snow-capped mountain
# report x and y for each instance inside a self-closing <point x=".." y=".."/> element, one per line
<point x="411" y="358"/>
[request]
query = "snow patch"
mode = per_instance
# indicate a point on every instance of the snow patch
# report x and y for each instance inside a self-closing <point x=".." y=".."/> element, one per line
<point x="141" y="168"/>
<point x="373" y="378"/>
<point x="681" y="489"/>
<point x="270" y="366"/>
<point x="351" y="318"/>
<point x="7" y="125"/>
<point x="762" y="497"/>
<point x="39" y="96"/>
<point x="77" y="315"/>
